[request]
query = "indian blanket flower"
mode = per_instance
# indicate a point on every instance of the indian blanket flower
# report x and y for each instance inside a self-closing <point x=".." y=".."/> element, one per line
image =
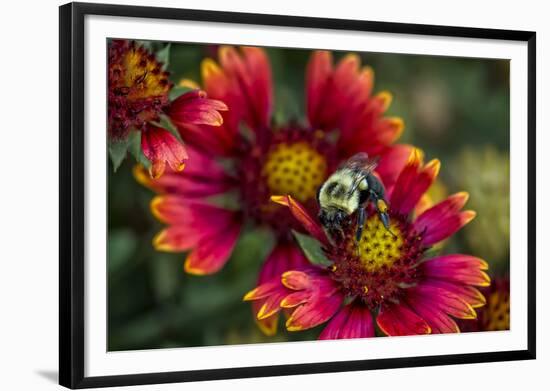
<point x="250" y="157"/>
<point x="138" y="95"/>
<point x="495" y="316"/>
<point x="384" y="280"/>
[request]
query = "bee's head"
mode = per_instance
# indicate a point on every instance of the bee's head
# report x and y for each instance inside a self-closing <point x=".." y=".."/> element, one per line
<point x="332" y="218"/>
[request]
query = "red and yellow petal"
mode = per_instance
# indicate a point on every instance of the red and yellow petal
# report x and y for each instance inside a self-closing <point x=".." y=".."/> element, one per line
<point x="161" y="147"/>
<point x="212" y="252"/>
<point x="300" y="213"/>
<point x="444" y="219"/>
<point x="468" y="293"/>
<point x="352" y="321"/>
<point x="314" y="312"/>
<point x="412" y="183"/>
<point x="194" y="107"/>
<point x="243" y="82"/>
<point x="441" y="299"/>
<point x="457" y="268"/>
<point x="392" y="161"/>
<point x="296" y="280"/>
<point x="400" y="319"/>
<point x="439" y="321"/>
<point x="285" y="256"/>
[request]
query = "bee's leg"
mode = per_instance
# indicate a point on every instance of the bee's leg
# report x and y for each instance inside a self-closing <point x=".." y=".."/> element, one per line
<point x="382" y="209"/>
<point x="360" y="224"/>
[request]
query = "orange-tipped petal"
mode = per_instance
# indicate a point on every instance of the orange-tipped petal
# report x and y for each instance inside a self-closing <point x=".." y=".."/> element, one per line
<point x="457" y="268"/>
<point x="413" y="181"/>
<point x="399" y="319"/>
<point x="299" y="212"/>
<point x="385" y="98"/>
<point x="314" y="312"/>
<point x="161" y="147"/>
<point x="212" y="253"/>
<point x="296" y="280"/>
<point x="444" y="219"/>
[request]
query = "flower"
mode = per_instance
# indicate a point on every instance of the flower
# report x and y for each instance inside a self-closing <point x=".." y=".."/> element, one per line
<point x="251" y="158"/>
<point x="495" y="316"/>
<point x="139" y="95"/>
<point x="387" y="279"/>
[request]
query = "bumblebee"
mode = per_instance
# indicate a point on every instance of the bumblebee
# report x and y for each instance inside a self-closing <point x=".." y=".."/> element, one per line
<point x="348" y="190"/>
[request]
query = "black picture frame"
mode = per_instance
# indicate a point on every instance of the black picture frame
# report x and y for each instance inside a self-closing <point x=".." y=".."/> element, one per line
<point x="72" y="178"/>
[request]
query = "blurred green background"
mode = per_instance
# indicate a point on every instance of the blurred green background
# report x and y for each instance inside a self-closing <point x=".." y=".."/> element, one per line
<point x="455" y="109"/>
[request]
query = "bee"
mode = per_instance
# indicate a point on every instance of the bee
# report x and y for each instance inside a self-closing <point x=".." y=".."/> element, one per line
<point x="348" y="190"/>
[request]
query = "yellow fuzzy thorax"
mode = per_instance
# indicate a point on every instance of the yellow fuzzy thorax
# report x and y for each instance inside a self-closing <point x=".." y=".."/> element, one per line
<point x="378" y="247"/>
<point x="296" y="169"/>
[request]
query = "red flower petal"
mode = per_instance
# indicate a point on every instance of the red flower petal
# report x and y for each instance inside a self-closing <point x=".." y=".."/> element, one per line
<point x="177" y="238"/>
<point x="161" y="147"/>
<point x="285" y="256"/>
<point x="243" y="81"/>
<point x="202" y="177"/>
<point x="340" y="98"/>
<point x="295" y="299"/>
<point x="259" y="69"/>
<point x="438" y="321"/>
<point x="316" y="311"/>
<point x="468" y="293"/>
<point x="210" y="231"/>
<point x="438" y="298"/>
<point x="352" y="321"/>
<point x="392" y="161"/>
<point x="412" y="183"/>
<point x="211" y="253"/>
<point x="299" y="212"/>
<point x="444" y="219"/>
<point x="457" y="268"/>
<point x="399" y="319"/>
<point x="318" y="72"/>
<point x="296" y="280"/>
<point x="195" y="108"/>
<point x="264" y="290"/>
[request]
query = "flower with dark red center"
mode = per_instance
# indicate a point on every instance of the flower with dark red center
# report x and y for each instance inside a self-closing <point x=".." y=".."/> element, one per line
<point x="137" y="97"/>
<point x="383" y="278"/>
<point x="251" y="158"/>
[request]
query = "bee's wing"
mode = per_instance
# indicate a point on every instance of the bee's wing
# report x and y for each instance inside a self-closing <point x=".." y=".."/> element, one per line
<point x="362" y="162"/>
<point x="363" y="165"/>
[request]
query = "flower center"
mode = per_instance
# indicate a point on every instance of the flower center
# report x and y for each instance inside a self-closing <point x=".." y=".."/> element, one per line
<point x="138" y="88"/>
<point x="144" y="75"/>
<point x="497" y="312"/>
<point x="381" y="264"/>
<point x="294" y="168"/>
<point x="378" y="247"/>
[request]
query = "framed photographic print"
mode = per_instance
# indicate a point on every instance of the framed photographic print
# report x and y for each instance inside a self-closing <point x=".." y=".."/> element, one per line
<point x="251" y="195"/>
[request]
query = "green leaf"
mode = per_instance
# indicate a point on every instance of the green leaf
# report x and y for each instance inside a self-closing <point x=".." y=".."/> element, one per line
<point x="312" y="249"/>
<point x="178" y="91"/>
<point x="117" y="152"/>
<point x="163" y="55"/>
<point x="134" y="140"/>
